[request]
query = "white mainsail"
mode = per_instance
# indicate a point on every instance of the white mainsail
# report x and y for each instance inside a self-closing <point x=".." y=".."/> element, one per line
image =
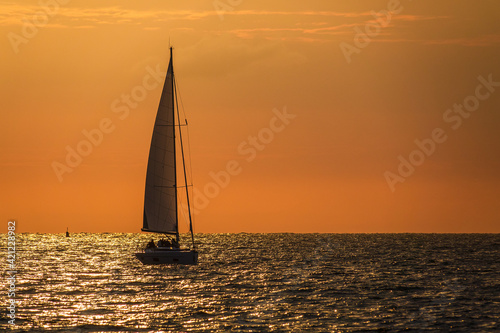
<point x="160" y="199"/>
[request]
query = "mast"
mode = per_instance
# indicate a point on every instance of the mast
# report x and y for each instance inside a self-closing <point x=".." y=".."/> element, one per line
<point x="175" y="156"/>
<point x="183" y="162"/>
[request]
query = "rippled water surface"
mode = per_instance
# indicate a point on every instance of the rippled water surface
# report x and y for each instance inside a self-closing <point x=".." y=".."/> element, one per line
<point x="259" y="283"/>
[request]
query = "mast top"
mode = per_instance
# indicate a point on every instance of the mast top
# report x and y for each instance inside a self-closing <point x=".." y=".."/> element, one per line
<point x="171" y="63"/>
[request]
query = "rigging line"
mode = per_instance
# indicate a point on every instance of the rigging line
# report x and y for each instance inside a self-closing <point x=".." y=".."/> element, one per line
<point x="187" y="130"/>
<point x="190" y="168"/>
<point x="182" y="208"/>
<point x="183" y="160"/>
<point x="187" y="219"/>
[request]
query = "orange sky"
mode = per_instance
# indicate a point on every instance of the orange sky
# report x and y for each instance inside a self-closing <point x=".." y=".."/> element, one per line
<point x="359" y="102"/>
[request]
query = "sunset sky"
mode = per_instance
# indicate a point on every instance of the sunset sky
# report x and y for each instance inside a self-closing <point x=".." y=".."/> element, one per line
<point x="317" y="107"/>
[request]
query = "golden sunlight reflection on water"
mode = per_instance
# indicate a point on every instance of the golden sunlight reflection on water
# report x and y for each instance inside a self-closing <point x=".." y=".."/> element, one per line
<point x="259" y="282"/>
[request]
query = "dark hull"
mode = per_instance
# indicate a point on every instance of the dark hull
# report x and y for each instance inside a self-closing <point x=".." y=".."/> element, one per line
<point x="168" y="256"/>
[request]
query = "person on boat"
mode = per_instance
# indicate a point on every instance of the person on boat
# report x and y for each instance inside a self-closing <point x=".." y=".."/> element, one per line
<point x="163" y="243"/>
<point x="151" y="245"/>
<point x="175" y="244"/>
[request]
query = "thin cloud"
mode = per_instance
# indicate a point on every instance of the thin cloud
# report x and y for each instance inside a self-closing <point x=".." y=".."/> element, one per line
<point x="414" y="18"/>
<point x="485" y="40"/>
<point x="478" y="41"/>
<point x="339" y="29"/>
<point x="298" y="13"/>
<point x="88" y="18"/>
<point x="14" y="14"/>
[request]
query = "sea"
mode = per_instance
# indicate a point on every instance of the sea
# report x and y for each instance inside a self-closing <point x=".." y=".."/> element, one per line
<point x="91" y="282"/>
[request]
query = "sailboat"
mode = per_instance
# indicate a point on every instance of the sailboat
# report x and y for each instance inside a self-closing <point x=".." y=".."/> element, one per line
<point x="161" y="208"/>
